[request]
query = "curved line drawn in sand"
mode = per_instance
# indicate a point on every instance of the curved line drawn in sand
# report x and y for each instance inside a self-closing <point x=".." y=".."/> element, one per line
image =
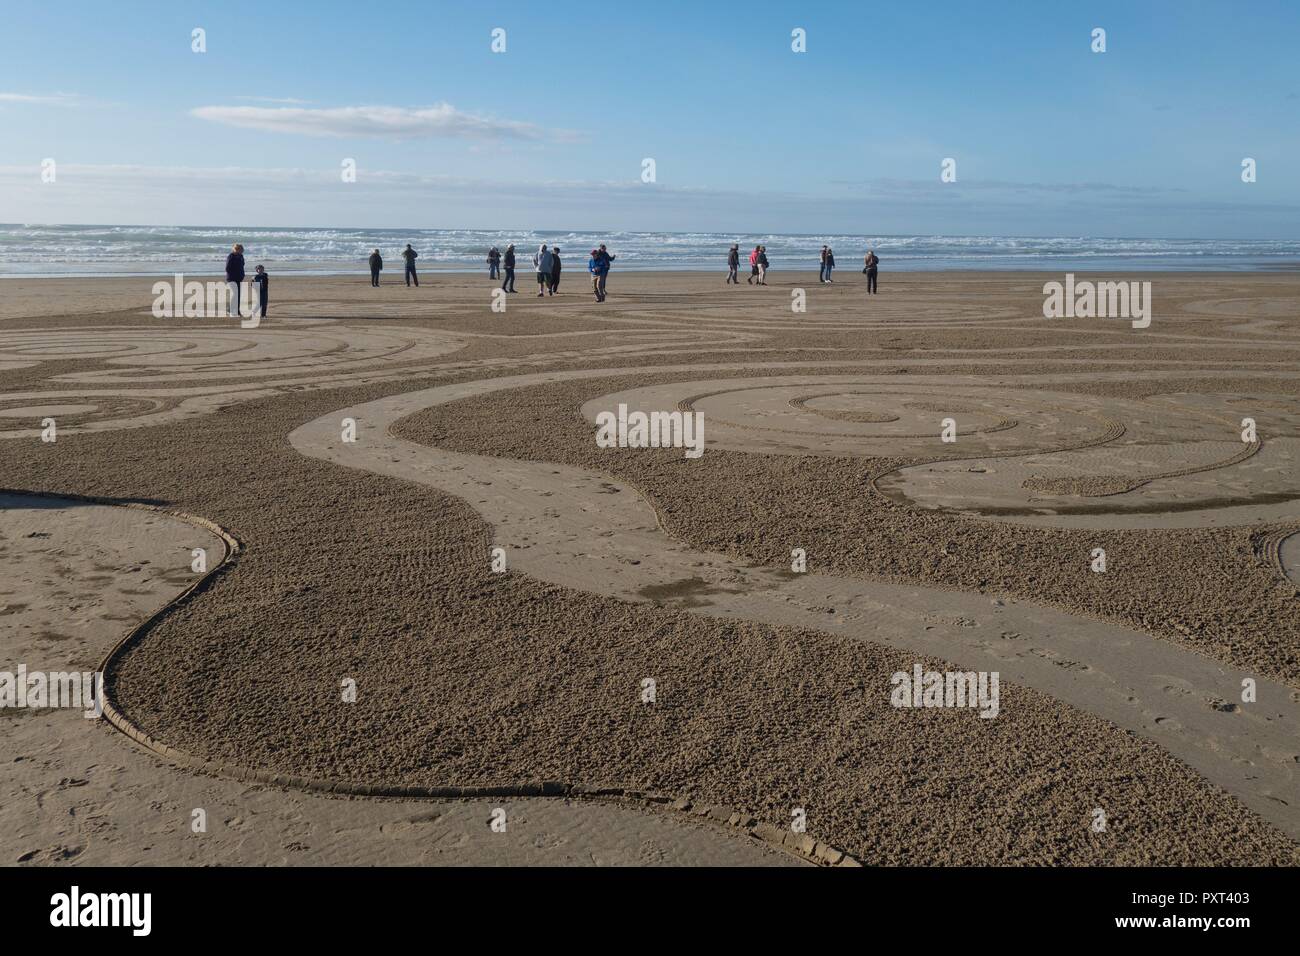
<point x="564" y="526"/>
<point x="798" y="845"/>
<point x="74" y="794"/>
<point x="136" y="394"/>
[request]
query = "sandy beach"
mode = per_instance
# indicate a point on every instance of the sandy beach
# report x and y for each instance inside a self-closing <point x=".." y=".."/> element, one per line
<point x="370" y="561"/>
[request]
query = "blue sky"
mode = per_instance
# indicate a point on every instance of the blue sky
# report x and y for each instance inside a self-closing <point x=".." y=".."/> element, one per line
<point x="1049" y="138"/>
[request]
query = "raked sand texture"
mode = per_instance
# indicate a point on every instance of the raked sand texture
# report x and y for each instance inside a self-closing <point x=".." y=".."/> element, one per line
<point x="370" y="561"/>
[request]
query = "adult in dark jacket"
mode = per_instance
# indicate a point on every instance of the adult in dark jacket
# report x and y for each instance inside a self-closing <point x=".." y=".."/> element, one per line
<point x="733" y="264"/>
<point x="508" y="262"/>
<point x="555" y="270"/>
<point x="410" y="255"/>
<point x="494" y="262"/>
<point x="376" y="267"/>
<point x="606" y="261"/>
<point x="869" y="266"/>
<point x="235" y="275"/>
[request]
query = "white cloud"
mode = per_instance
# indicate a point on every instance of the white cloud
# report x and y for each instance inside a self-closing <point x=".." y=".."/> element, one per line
<point x="282" y="100"/>
<point x="45" y="99"/>
<point x="391" y="122"/>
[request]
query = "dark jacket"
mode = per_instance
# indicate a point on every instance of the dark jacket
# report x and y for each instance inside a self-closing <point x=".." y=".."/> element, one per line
<point x="376" y="262"/>
<point x="733" y="259"/>
<point x="235" y="267"/>
<point x="555" y="265"/>
<point x="510" y="259"/>
<point x="263" y="282"/>
<point x="410" y="255"/>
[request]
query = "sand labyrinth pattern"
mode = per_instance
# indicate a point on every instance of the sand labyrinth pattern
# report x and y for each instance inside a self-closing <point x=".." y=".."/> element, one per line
<point x="1020" y="453"/>
<point x="564" y="526"/>
<point x="154" y="376"/>
<point x="1026" y="451"/>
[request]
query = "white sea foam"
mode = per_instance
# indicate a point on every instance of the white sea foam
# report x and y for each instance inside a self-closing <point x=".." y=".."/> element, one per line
<point x="108" y="250"/>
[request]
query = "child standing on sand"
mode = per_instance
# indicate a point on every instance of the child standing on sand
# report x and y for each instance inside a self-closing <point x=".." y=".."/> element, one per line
<point x="263" y="283"/>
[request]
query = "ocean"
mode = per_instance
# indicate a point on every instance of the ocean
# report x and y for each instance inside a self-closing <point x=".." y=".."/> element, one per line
<point x="34" y="250"/>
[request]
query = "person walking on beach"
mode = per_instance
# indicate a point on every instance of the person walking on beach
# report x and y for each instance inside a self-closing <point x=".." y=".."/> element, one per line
<point x="494" y="262"/>
<point x="762" y="265"/>
<point x="508" y="283"/>
<point x="753" y="266"/>
<point x="828" y="265"/>
<point x="821" y="275"/>
<point x="542" y="262"/>
<point x="263" y="283"/>
<point x="410" y="255"/>
<point x="555" y="271"/>
<point x="596" y="266"/>
<point x="235" y="275"/>
<point x="869" y="265"/>
<point x="376" y="267"/>
<point x="605" y="260"/>
<point x="733" y="264"/>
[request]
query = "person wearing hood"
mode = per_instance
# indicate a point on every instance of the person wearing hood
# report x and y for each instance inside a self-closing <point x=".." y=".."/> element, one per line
<point x="543" y="261"/>
<point x="376" y="267"/>
<point x="235" y="275"/>
<point x="733" y="264"/>
<point x="828" y="266"/>
<point x="508" y="263"/>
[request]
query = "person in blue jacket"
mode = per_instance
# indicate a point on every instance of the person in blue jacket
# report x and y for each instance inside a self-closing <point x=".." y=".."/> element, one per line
<point x="603" y="261"/>
<point x="598" y="268"/>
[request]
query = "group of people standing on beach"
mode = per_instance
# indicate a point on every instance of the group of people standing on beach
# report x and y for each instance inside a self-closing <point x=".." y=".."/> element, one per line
<point x="548" y="265"/>
<point x="235" y="279"/>
<point x="758" y="266"/>
<point x="409" y="255"/>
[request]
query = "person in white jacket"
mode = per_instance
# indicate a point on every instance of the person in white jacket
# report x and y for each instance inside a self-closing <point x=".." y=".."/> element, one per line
<point x="543" y="262"/>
